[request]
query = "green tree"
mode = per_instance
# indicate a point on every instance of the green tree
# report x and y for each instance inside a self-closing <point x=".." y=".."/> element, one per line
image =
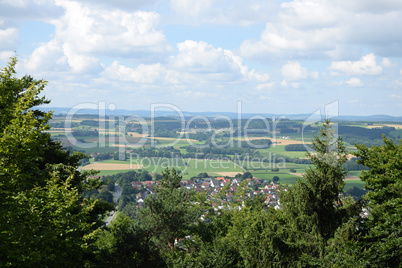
<point x="255" y="234"/>
<point x="157" y="177"/>
<point x="125" y="243"/>
<point x="145" y="176"/>
<point x="105" y="195"/>
<point x="247" y="175"/>
<point x="381" y="232"/>
<point x="166" y="215"/>
<point x="203" y="175"/>
<point x="111" y="186"/>
<point x="313" y="207"/>
<point x="44" y="220"/>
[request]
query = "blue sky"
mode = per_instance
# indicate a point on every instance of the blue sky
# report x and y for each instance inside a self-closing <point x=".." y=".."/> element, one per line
<point x="283" y="57"/>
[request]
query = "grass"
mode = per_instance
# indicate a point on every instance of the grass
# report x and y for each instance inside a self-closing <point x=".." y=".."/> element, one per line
<point x="112" y="172"/>
<point x="97" y="149"/>
<point x="257" y="165"/>
<point x="284" y="178"/>
<point x="196" y="166"/>
<point x="280" y="149"/>
<point x="307" y="136"/>
<point x="350" y="184"/>
<point x="355" y="173"/>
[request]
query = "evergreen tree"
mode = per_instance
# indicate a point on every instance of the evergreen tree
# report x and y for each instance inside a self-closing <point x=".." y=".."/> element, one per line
<point x="125" y="243"/>
<point x="44" y="220"/>
<point x="312" y="207"/>
<point x="167" y="215"/>
<point x="381" y="232"/>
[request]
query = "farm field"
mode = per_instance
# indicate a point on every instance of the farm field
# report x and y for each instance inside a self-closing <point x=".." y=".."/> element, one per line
<point x="188" y="167"/>
<point x="280" y="149"/>
<point x="114" y="139"/>
<point x="396" y="126"/>
<point x="353" y="183"/>
<point x="111" y="166"/>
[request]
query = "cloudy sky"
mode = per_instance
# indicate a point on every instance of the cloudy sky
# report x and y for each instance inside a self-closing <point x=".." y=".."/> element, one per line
<point x="274" y="56"/>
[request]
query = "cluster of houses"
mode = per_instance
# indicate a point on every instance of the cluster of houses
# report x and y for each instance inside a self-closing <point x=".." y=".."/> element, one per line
<point x="219" y="190"/>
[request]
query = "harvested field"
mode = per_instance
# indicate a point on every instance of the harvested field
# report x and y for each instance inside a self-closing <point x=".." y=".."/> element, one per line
<point x="108" y="132"/>
<point x="387" y="125"/>
<point x="252" y="138"/>
<point x="128" y="145"/>
<point x="109" y="166"/>
<point x="120" y="145"/>
<point x="137" y="135"/>
<point x="351" y="178"/>
<point x="229" y="174"/>
<point x="349" y="156"/>
<point x="55" y="131"/>
<point x="52" y="130"/>
<point x="173" y="139"/>
<point x="286" y="142"/>
<point x="297" y="174"/>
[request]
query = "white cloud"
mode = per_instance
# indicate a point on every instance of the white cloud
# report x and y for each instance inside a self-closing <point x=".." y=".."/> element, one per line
<point x="265" y="86"/>
<point x="55" y="57"/>
<point x="47" y="57"/>
<point x="263" y="98"/>
<point x="395" y="96"/>
<point x="6" y="55"/>
<point x="286" y="84"/>
<point x="15" y="3"/>
<point x="217" y="12"/>
<point x="109" y="32"/>
<point x="283" y="40"/>
<point x="28" y="9"/>
<point x="100" y="49"/>
<point x="386" y="62"/>
<point x="84" y="34"/>
<point x="367" y="65"/>
<point x="81" y="63"/>
<point x="123" y="4"/>
<point x="216" y="63"/>
<point x="145" y="74"/>
<point x="295" y="85"/>
<point x="8" y="38"/>
<point x="190" y="8"/>
<point x="197" y="94"/>
<point x="197" y="67"/>
<point x="309" y="14"/>
<point x="354" y="82"/>
<point x="396" y="84"/>
<point x="294" y="71"/>
<point x="373" y="6"/>
<point x="326" y="28"/>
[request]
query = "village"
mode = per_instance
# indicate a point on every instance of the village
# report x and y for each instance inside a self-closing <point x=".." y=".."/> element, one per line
<point x="220" y="191"/>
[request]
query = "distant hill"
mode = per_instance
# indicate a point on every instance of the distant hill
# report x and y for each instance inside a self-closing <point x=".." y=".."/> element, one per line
<point x="147" y="114"/>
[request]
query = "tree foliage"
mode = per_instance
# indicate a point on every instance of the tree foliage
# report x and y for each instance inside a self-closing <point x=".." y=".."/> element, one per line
<point x="381" y="231"/>
<point x="312" y="206"/>
<point x="44" y="220"/>
<point x="166" y="215"/>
